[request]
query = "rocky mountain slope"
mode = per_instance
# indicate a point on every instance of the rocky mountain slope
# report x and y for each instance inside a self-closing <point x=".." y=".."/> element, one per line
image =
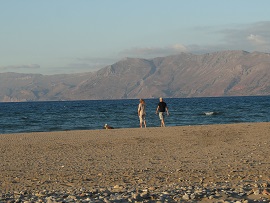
<point x="227" y="73"/>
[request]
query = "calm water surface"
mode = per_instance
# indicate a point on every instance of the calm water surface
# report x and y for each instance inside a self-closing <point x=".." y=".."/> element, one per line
<point x="83" y="115"/>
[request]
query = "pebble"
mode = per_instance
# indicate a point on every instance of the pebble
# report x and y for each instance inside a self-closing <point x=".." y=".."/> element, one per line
<point x="172" y="193"/>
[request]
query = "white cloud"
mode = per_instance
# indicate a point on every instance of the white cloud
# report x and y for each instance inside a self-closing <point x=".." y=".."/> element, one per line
<point x="247" y="37"/>
<point x="257" y="40"/>
<point x="179" y="47"/>
<point x="16" y="67"/>
<point x="149" y="52"/>
<point x="91" y="63"/>
<point x="94" y="61"/>
<point x="251" y="37"/>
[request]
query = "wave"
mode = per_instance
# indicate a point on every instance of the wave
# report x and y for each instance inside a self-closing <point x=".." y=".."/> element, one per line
<point x="210" y="113"/>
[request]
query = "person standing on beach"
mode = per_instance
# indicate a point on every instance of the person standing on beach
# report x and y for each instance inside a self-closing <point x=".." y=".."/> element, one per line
<point x="161" y="108"/>
<point x="142" y="113"/>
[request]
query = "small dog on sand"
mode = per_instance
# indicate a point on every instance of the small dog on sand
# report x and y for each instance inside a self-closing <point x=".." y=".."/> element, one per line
<point x="106" y="126"/>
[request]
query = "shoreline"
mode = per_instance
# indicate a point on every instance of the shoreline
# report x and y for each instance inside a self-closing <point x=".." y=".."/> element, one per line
<point x="192" y="160"/>
<point x="131" y="128"/>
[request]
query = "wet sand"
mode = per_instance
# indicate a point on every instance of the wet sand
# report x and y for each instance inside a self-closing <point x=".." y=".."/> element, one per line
<point x="181" y="162"/>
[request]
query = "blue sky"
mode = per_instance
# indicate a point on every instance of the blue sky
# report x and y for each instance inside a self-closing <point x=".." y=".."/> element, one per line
<point x="73" y="36"/>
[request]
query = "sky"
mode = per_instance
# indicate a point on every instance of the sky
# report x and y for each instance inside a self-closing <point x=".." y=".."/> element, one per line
<point x="74" y="36"/>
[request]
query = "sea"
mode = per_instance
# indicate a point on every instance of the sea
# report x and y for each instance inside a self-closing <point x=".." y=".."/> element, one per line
<point x="22" y="117"/>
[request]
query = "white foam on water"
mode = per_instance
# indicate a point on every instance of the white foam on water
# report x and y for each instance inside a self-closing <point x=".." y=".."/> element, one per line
<point x="209" y="113"/>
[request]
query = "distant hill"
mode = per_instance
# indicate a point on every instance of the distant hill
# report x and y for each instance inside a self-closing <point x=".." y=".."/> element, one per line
<point x="227" y="73"/>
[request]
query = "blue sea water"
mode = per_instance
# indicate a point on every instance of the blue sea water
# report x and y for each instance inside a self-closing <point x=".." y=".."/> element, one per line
<point x="83" y="115"/>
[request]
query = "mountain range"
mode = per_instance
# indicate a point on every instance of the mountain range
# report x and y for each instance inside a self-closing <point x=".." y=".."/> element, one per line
<point x="225" y="73"/>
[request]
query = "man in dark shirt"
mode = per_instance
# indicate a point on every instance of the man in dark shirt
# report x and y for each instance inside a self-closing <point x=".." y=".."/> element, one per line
<point x="161" y="108"/>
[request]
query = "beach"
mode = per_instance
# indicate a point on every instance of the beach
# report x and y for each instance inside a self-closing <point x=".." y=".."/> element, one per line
<point x="203" y="163"/>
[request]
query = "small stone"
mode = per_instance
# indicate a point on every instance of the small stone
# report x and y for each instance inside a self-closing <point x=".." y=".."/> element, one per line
<point x="151" y="188"/>
<point x="106" y="200"/>
<point x="256" y="191"/>
<point x="72" y="197"/>
<point x="211" y="197"/>
<point x="136" y="196"/>
<point x="50" y="200"/>
<point x="265" y="192"/>
<point x="185" y="196"/>
<point x="144" y="195"/>
<point x="192" y="196"/>
<point x="116" y="186"/>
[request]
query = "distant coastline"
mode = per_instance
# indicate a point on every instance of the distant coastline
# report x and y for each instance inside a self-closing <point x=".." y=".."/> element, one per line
<point x="224" y="73"/>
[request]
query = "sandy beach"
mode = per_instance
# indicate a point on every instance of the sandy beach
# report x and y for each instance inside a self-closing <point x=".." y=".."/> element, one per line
<point x="211" y="163"/>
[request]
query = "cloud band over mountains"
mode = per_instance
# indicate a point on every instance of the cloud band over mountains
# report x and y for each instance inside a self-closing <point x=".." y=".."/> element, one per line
<point x="248" y="37"/>
<point x="16" y="67"/>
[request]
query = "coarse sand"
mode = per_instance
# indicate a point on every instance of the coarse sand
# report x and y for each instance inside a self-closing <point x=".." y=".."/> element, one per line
<point x="209" y="155"/>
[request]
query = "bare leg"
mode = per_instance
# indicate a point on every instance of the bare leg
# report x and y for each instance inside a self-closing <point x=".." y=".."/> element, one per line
<point x="162" y="123"/>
